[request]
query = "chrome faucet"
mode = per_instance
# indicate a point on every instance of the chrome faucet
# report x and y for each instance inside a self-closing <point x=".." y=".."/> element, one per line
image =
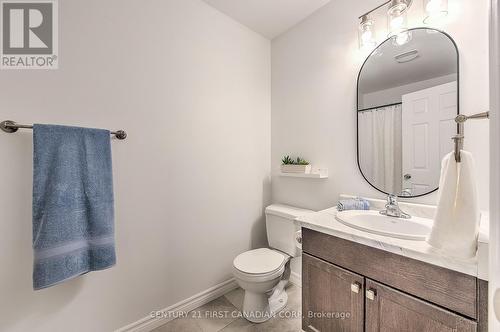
<point x="392" y="208"/>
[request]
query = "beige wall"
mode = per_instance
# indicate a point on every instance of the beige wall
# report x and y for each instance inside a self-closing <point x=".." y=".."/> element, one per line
<point x="192" y="89"/>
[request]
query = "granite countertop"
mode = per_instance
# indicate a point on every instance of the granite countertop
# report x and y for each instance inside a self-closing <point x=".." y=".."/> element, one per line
<point x="324" y="221"/>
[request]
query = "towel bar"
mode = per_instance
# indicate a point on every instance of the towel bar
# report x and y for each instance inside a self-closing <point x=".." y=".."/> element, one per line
<point x="459" y="139"/>
<point x="11" y="127"/>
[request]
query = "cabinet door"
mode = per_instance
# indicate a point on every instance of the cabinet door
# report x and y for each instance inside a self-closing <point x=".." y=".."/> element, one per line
<point x="389" y="310"/>
<point x="332" y="298"/>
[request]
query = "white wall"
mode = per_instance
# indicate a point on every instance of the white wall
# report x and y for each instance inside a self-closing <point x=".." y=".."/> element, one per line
<point x="314" y="71"/>
<point x="494" y="244"/>
<point x="192" y="89"/>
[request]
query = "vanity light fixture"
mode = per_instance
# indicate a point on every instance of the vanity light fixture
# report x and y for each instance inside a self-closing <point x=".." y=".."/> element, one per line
<point x="397" y="23"/>
<point x="366" y="36"/>
<point x="435" y="10"/>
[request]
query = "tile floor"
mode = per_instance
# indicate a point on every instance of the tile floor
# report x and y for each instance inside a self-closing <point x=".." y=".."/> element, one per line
<point x="204" y="319"/>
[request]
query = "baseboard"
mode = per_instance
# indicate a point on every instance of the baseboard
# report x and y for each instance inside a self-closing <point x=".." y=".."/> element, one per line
<point x="149" y="323"/>
<point x="296" y="279"/>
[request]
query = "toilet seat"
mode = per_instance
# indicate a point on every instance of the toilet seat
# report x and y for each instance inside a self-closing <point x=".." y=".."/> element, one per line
<point x="260" y="264"/>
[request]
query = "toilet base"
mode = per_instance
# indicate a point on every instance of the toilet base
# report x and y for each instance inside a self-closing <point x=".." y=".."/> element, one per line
<point x="278" y="302"/>
<point x="258" y="307"/>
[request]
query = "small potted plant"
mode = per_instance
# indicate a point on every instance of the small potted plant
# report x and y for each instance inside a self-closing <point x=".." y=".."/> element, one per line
<point x="299" y="165"/>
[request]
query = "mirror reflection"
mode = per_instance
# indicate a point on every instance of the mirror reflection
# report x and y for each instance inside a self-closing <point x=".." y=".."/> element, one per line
<point x="407" y="102"/>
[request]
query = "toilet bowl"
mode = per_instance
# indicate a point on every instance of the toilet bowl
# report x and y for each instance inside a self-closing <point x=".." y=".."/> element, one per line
<point x="264" y="273"/>
<point x="261" y="273"/>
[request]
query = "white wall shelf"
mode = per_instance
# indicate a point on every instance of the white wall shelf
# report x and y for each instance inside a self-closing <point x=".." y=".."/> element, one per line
<point x="319" y="173"/>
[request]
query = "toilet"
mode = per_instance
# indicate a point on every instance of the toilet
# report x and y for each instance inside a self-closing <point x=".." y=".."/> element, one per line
<point x="263" y="273"/>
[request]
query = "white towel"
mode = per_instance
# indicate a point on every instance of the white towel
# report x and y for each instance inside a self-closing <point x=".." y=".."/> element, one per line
<point x="456" y="224"/>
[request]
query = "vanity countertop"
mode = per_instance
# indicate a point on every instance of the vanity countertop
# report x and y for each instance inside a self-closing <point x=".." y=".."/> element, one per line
<point x="324" y="221"/>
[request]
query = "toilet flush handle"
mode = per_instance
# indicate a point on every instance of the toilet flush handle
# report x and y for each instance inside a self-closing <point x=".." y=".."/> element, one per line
<point x="298" y="237"/>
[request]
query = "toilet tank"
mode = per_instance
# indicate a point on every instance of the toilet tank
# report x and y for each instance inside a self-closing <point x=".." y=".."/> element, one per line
<point x="282" y="227"/>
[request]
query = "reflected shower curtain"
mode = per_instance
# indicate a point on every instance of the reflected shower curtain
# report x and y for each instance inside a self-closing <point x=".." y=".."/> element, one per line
<point x="380" y="147"/>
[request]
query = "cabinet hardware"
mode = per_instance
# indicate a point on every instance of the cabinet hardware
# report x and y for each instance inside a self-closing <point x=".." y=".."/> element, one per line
<point x="370" y="294"/>
<point x="355" y="287"/>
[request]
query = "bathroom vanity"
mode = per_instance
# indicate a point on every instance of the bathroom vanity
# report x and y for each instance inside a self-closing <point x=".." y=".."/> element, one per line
<point x="383" y="291"/>
<point x="357" y="281"/>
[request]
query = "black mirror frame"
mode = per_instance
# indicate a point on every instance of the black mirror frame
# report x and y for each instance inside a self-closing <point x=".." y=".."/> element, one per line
<point x="357" y="104"/>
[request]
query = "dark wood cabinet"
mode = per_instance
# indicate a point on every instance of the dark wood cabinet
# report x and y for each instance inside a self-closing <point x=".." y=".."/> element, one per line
<point x="348" y="286"/>
<point x="333" y="298"/>
<point x="389" y="310"/>
<point x="446" y="288"/>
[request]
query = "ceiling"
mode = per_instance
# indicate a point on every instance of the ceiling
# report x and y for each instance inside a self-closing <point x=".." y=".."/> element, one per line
<point x="437" y="56"/>
<point x="270" y="18"/>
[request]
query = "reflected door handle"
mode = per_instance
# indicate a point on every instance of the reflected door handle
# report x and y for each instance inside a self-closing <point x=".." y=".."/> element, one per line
<point x="407" y="177"/>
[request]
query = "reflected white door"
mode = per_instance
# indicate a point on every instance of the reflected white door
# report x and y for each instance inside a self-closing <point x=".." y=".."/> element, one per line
<point x="428" y="125"/>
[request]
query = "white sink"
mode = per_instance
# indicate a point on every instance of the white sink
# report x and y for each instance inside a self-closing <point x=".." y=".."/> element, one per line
<point x="373" y="222"/>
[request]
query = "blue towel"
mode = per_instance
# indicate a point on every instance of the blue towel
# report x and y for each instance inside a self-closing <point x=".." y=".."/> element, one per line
<point x="73" y="213"/>
<point x="357" y="203"/>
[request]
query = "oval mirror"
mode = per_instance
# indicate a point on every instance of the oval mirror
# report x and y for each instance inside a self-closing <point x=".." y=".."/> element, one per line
<point x="407" y="101"/>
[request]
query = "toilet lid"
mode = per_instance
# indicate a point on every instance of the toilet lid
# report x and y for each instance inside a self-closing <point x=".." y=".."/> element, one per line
<point x="259" y="261"/>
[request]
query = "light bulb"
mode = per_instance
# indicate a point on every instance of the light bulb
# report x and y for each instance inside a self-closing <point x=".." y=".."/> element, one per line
<point x="366" y="37"/>
<point x="402" y="38"/>
<point x="397" y="22"/>
<point x="435" y="10"/>
<point x="397" y="17"/>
